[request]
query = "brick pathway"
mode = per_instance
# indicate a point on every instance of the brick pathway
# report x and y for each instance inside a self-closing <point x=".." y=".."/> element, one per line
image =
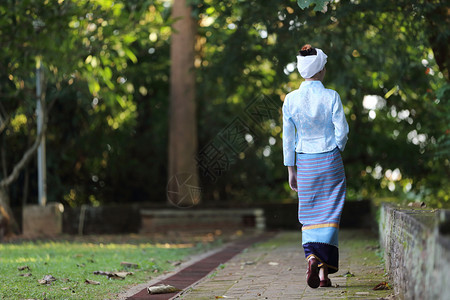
<point x="199" y="269"/>
<point x="275" y="269"/>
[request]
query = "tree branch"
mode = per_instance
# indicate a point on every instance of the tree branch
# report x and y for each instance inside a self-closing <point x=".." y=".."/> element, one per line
<point x="3" y="113"/>
<point x="4" y="124"/>
<point x="28" y="154"/>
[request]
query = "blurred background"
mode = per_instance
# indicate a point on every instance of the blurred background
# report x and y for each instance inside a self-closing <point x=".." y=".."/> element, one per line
<point x="106" y="90"/>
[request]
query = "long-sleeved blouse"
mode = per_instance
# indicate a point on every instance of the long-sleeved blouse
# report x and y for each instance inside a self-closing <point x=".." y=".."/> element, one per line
<point x="313" y="121"/>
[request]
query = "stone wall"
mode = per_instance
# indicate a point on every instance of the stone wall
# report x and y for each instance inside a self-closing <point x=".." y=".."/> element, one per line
<point x="416" y="251"/>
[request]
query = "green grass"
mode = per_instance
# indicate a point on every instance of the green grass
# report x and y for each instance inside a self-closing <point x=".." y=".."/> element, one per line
<point x="74" y="262"/>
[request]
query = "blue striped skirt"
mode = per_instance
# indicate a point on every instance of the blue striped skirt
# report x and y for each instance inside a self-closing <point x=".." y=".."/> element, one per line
<point x="321" y="193"/>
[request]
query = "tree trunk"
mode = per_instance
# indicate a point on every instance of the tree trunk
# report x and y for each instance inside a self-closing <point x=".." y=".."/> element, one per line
<point x="3" y="156"/>
<point x="8" y="223"/>
<point x="183" y="184"/>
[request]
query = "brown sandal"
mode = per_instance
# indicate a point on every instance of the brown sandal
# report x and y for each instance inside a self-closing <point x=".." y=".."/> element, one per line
<point x="325" y="283"/>
<point x="312" y="274"/>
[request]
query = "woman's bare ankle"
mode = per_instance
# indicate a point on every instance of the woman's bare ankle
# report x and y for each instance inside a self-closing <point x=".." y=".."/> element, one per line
<point x="323" y="273"/>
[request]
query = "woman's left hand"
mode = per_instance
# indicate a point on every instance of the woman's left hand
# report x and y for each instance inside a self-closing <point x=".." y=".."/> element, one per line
<point x="292" y="178"/>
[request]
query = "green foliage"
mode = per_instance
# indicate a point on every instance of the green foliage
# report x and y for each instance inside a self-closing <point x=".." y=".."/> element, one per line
<point x="375" y="48"/>
<point x="319" y="4"/>
<point x="107" y="73"/>
<point x="96" y="93"/>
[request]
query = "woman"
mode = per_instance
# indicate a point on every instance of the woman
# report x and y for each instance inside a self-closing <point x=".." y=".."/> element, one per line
<point x="315" y="130"/>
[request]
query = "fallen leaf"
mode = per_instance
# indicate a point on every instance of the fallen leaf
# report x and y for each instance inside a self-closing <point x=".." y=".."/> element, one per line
<point x="123" y="274"/>
<point x="129" y="265"/>
<point x="81" y="265"/>
<point x="114" y="275"/>
<point x="119" y="275"/>
<point x="87" y="281"/>
<point x="249" y="263"/>
<point x="78" y="255"/>
<point x="272" y="263"/>
<point x="420" y="204"/>
<point x="348" y="274"/>
<point x="162" y="289"/>
<point x="175" y="263"/>
<point x="66" y="288"/>
<point x="25" y="275"/>
<point x="382" y="286"/>
<point x="102" y="273"/>
<point x="48" y="279"/>
<point x="22" y="268"/>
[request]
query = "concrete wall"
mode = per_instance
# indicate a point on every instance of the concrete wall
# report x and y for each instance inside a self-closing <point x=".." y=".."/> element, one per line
<point x="113" y="219"/>
<point x="39" y="221"/>
<point x="164" y="220"/>
<point x="356" y="214"/>
<point x="134" y="218"/>
<point x="416" y="252"/>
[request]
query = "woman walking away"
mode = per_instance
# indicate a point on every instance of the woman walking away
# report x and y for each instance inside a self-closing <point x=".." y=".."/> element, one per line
<point x="315" y="130"/>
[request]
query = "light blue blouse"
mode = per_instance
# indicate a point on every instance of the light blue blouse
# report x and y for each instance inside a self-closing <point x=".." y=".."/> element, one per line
<point x="313" y="121"/>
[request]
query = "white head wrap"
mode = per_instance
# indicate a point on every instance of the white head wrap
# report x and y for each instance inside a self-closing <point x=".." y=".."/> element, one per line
<point x="310" y="65"/>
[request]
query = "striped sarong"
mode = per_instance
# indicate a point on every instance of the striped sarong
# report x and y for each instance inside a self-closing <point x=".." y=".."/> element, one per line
<point x="321" y="193"/>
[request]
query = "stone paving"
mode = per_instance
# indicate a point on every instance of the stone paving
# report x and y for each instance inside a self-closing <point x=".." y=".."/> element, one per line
<point x="276" y="269"/>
